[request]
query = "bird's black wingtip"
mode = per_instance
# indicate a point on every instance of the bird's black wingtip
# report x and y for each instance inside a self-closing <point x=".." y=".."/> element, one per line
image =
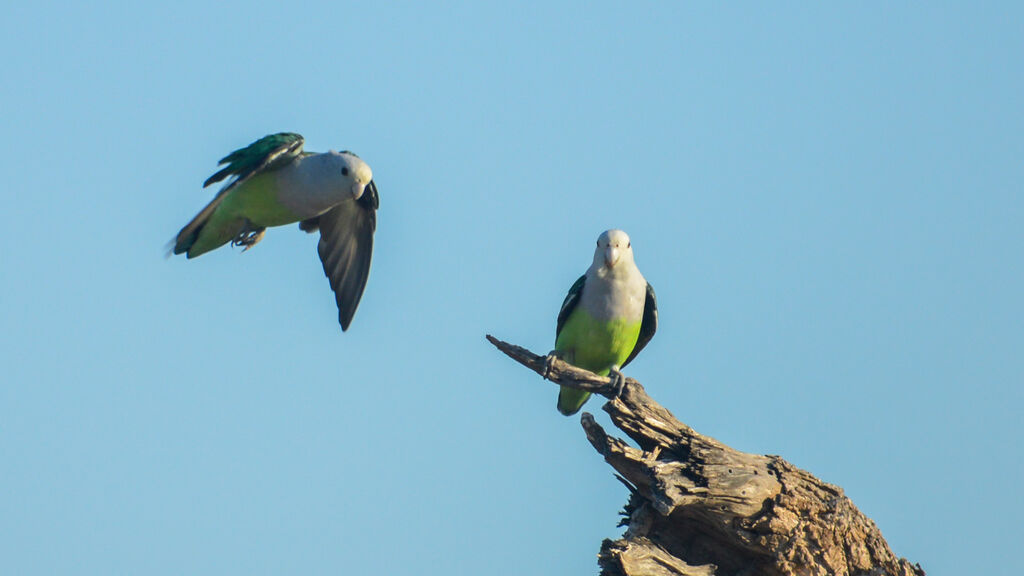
<point x="344" y="321"/>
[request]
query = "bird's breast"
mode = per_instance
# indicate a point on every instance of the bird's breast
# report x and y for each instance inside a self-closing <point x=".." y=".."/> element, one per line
<point x="615" y="299"/>
<point x="310" y="192"/>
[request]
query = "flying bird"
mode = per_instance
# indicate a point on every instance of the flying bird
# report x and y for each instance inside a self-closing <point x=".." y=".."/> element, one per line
<point x="272" y="183"/>
<point x="607" y="318"/>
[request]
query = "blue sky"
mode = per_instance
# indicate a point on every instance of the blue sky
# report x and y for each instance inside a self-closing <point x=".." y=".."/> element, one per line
<point x="827" y="200"/>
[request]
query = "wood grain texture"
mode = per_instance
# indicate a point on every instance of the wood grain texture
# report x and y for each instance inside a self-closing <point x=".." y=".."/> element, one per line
<point x="699" y="507"/>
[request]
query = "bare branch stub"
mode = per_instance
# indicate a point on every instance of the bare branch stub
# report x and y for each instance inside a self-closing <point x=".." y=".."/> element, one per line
<point x="701" y="507"/>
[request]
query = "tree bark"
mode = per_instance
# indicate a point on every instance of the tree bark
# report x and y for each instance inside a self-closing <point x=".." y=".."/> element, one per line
<point x="699" y="507"/>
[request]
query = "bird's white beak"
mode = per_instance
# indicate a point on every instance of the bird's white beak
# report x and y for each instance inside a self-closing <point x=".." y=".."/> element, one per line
<point x="357" y="189"/>
<point x="361" y="177"/>
<point x="611" y="256"/>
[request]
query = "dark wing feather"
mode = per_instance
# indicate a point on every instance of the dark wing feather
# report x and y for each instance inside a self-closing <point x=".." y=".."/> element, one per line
<point x="346" y="247"/>
<point x="570" y="302"/>
<point x="648" y="326"/>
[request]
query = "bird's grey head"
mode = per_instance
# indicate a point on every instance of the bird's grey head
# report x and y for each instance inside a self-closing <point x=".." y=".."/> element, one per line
<point x="354" y="174"/>
<point x="613" y="249"/>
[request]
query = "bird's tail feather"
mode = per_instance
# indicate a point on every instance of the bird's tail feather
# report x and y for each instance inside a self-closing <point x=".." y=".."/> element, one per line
<point x="571" y="400"/>
<point x="188" y="235"/>
<point x="191" y="239"/>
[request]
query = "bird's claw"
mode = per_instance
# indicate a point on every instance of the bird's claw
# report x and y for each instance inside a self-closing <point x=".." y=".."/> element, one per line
<point x="548" y="360"/>
<point x="249" y="238"/>
<point x="618" y="380"/>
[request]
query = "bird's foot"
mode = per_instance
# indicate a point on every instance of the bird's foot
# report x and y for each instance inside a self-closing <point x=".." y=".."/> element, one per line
<point x="249" y="238"/>
<point x="548" y="360"/>
<point x="618" y="380"/>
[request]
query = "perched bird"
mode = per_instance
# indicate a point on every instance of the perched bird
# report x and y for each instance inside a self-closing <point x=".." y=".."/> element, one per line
<point x="275" y="183"/>
<point x="607" y="318"/>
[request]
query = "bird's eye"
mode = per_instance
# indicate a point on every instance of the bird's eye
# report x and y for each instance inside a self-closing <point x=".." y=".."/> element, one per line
<point x="344" y="171"/>
<point x="629" y="245"/>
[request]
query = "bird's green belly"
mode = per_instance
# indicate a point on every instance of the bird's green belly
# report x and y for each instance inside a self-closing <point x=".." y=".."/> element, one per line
<point x="257" y="201"/>
<point x="595" y="344"/>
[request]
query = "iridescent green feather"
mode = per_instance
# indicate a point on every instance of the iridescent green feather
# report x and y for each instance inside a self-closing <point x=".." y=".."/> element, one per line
<point x="265" y="154"/>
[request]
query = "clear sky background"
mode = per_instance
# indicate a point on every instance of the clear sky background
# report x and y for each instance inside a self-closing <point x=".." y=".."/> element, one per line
<point x="827" y="199"/>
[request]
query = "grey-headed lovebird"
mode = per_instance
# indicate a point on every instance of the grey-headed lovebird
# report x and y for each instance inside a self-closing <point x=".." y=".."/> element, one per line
<point x="607" y="318"/>
<point x="273" y="182"/>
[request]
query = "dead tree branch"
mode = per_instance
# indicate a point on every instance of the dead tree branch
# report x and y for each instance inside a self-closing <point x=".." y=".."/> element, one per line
<point x="699" y="507"/>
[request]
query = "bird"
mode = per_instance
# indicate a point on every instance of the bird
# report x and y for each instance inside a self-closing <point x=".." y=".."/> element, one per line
<point x="607" y="318"/>
<point x="273" y="182"/>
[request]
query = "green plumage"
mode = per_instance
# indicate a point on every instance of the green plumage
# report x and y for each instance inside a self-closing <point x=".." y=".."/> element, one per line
<point x="594" y="345"/>
<point x="267" y="153"/>
<point x="248" y="204"/>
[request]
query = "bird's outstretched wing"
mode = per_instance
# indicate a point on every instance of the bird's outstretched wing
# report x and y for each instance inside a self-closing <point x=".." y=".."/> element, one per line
<point x="569" y="304"/>
<point x="346" y="247"/>
<point x="648" y="326"/>
<point x="268" y="153"/>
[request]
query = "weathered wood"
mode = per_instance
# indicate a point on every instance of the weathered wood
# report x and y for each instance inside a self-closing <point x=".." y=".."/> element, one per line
<point x="702" y="508"/>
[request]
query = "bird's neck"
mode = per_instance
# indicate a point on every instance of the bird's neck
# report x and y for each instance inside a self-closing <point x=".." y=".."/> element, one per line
<point x="618" y="273"/>
<point x="614" y="293"/>
<point x="309" y="188"/>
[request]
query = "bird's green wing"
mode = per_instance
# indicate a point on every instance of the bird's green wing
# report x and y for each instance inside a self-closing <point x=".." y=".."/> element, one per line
<point x="346" y="247"/>
<point x="648" y="326"/>
<point x="571" y="300"/>
<point x="266" y="154"/>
